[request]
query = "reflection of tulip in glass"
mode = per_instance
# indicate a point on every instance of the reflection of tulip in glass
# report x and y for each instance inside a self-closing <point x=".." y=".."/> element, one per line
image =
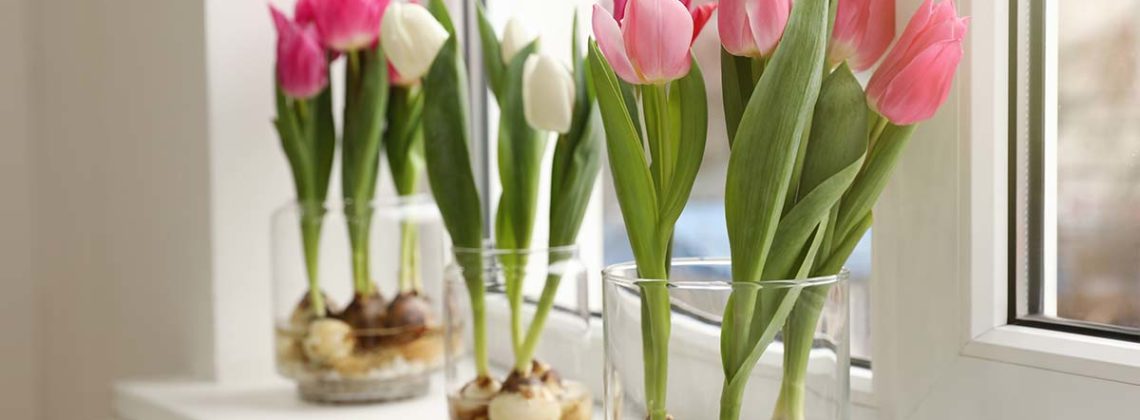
<point x="548" y="93"/>
<point x="411" y="37"/>
<point x="915" y="78"/>
<point x="651" y="44"/>
<point x="301" y="67"/>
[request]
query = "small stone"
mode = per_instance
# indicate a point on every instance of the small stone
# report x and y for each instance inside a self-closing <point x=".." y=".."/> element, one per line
<point x="328" y="340"/>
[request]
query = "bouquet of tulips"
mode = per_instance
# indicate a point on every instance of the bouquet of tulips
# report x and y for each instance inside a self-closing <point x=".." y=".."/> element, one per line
<point x="537" y="95"/>
<point x="811" y="151"/>
<point x="382" y="105"/>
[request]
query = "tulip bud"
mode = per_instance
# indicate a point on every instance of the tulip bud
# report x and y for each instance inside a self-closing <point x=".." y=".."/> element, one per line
<point x="548" y="93"/>
<point x="515" y="38"/>
<point x="652" y="43"/>
<point x="915" y="78"/>
<point x="753" y="28"/>
<point x="411" y="38"/>
<point x="347" y="25"/>
<point x="302" y="70"/>
<point x="863" y="31"/>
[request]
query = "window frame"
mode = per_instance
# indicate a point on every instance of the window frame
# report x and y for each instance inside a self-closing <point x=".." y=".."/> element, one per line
<point x="1035" y="277"/>
<point x="942" y="229"/>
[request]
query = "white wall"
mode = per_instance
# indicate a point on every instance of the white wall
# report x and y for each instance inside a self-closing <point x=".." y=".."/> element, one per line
<point x="120" y="197"/>
<point x="17" y="302"/>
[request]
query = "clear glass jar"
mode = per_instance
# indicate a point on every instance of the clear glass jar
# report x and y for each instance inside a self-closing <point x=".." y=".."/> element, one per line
<point x="802" y="373"/>
<point x="526" y="335"/>
<point x="368" y="347"/>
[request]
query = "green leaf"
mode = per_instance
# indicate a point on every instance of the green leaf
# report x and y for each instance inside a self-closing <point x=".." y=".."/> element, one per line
<point x="763" y="157"/>
<point x="446" y="141"/>
<point x="632" y="181"/>
<point x="520" y="161"/>
<point x="325" y="139"/>
<point x="365" y="109"/>
<point x="832" y="159"/>
<point x="844" y="248"/>
<point x="689" y="95"/>
<point x="763" y="152"/>
<point x="873" y="179"/>
<point x="736" y="81"/>
<point x="577" y="162"/>
<point x="403" y="140"/>
<point x="492" y="52"/>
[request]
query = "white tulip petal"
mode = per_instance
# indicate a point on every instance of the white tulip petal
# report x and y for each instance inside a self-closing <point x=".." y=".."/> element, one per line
<point x="411" y="38"/>
<point x="548" y="94"/>
<point x="515" y="37"/>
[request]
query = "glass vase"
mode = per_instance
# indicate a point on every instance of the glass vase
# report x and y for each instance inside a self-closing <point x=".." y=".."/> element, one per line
<point x="524" y="317"/>
<point x="792" y="361"/>
<point x="380" y="335"/>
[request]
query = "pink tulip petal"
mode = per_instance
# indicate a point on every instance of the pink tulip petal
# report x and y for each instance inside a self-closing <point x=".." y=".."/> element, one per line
<point x="923" y="85"/>
<point x="768" y="19"/>
<point x="877" y="34"/>
<point x="658" y="34"/>
<point x="303" y="12"/>
<point x="701" y="15"/>
<point x="619" y="9"/>
<point x="735" y="30"/>
<point x="281" y="22"/>
<point x="609" y="37"/>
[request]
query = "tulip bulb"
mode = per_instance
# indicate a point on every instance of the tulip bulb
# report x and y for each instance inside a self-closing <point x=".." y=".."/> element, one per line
<point x="548" y="93"/>
<point x="515" y="37"/>
<point x="412" y="38"/>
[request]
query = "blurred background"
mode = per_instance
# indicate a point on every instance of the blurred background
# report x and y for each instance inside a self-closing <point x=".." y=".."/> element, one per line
<point x="1098" y="162"/>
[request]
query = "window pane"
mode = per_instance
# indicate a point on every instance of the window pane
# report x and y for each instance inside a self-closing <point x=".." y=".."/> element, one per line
<point x="701" y="229"/>
<point x="1098" y="161"/>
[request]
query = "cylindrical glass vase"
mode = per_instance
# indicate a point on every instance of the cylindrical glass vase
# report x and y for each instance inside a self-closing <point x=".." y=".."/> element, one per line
<point x="791" y="358"/>
<point x="370" y="344"/>
<point x="525" y="322"/>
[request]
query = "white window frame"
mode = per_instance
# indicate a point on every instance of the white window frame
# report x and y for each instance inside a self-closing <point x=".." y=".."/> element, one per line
<point x="943" y="348"/>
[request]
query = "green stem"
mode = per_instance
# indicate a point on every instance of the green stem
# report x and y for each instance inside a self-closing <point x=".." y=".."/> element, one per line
<point x="359" y="221"/>
<point x="311" y="238"/>
<point x="514" y="266"/>
<point x="799" y="335"/>
<point x="655" y="330"/>
<point x="472" y="267"/>
<point x="409" y="272"/>
<point x="662" y="152"/>
<point x="730" y="400"/>
<point x="542" y="310"/>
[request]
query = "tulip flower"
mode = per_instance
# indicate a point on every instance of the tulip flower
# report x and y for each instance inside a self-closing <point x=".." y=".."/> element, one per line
<point x="412" y="38"/>
<point x="863" y="31"/>
<point x="548" y="93"/>
<point x="515" y="38"/>
<point x="753" y="28"/>
<point x="651" y="44"/>
<point x="301" y="67"/>
<point x="914" y="80"/>
<point x="345" y="25"/>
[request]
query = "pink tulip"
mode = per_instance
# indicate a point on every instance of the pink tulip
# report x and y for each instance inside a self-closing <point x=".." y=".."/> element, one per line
<point x="303" y="12"/>
<point x="863" y="31"/>
<point x="301" y="67"/>
<point x="752" y="28"/>
<point x="914" y="80"/>
<point x="651" y="44"/>
<point x="345" y="25"/>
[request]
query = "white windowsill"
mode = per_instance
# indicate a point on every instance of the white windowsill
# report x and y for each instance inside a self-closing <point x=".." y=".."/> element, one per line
<point x="1057" y="351"/>
<point x="273" y="399"/>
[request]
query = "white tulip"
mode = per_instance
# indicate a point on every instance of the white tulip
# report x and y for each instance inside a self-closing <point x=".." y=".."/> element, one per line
<point x="411" y="38"/>
<point x="515" y="38"/>
<point x="548" y="93"/>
